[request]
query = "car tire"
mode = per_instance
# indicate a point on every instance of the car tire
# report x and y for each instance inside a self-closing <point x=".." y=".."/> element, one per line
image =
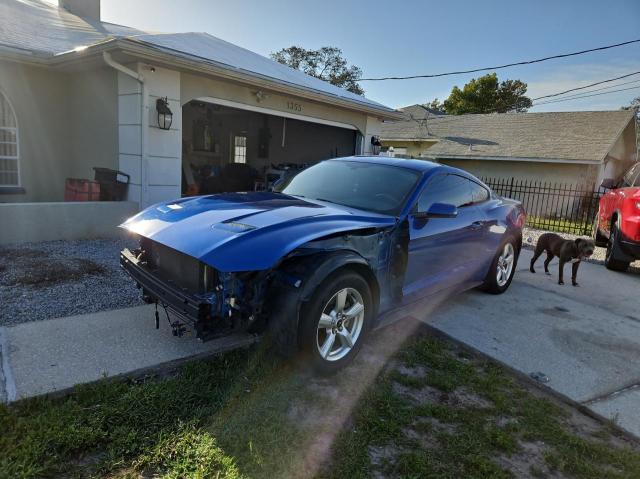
<point x="611" y="261"/>
<point x="502" y="268"/>
<point x="335" y="321"/>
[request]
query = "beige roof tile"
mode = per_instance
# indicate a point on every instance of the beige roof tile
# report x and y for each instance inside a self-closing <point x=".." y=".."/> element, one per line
<point x="578" y="136"/>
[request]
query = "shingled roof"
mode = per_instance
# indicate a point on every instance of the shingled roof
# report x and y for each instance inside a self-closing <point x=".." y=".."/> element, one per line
<point x="38" y="30"/>
<point x="577" y="136"/>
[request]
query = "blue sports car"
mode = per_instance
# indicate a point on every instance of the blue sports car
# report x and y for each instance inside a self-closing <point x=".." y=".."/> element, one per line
<point x="318" y="264"/>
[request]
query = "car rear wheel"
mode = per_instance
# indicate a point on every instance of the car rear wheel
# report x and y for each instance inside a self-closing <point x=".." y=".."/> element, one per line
<point x="611" y="261"/>
<point x="335" y="321"/>
<point x="502" y="269"/>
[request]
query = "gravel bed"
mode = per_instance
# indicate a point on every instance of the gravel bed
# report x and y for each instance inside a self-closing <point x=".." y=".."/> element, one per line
<point x="63" y="278"/>
<point x="530" y="238"/>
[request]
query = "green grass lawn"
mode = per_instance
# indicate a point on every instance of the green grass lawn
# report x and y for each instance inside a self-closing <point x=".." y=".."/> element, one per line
<point x="435" y="411"/>
<point x="560" y="225"/>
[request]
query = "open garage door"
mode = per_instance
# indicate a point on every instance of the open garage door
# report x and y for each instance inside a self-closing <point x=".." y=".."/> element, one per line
<point x="225" y="148"/>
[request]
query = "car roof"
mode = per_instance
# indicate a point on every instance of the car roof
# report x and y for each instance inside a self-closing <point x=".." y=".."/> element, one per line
<point x="418" y="165"/>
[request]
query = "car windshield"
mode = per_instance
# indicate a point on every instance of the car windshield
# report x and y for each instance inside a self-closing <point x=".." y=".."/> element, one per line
<point x="367" y="186"/>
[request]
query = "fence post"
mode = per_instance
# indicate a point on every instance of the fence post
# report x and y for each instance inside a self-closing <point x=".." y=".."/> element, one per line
<point x="510" y="188"/>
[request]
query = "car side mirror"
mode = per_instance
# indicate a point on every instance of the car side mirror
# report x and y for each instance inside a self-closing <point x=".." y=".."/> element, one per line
<point x="439" y="210"/>
<point x="609" y="183"/>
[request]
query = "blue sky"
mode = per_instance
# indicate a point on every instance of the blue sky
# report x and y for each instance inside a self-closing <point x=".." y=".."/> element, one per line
<point x="417" y="37"/>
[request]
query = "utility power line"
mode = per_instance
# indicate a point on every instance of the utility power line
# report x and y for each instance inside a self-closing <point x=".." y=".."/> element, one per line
<point x="586" y="86"/>
<point x="608" y="87"/>
<point x="578" y="97"/>
<point x="498" y="67"/>
<point x="551" y="95"/>
<point x="440" y="120"/>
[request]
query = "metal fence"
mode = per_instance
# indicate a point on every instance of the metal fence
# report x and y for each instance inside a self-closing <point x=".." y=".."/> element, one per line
<point x="552" y="206"/>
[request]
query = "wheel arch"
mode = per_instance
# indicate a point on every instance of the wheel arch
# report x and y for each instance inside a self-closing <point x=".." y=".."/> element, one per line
<point x="331" y="263"/>
<point x="288" y="297"/>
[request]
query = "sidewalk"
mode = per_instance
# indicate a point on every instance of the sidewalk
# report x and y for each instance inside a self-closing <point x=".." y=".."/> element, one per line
<point x="50" y="356"/>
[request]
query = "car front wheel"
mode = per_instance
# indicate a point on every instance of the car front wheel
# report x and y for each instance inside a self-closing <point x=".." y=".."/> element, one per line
<point x="335" y="321"/>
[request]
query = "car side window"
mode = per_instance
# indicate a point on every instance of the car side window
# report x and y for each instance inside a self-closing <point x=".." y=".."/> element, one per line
<point x="451" y="189"/>
<point x="478" y="193"/>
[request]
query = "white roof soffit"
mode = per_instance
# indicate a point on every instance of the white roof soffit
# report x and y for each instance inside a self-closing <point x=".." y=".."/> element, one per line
<point x="515" y="158"/>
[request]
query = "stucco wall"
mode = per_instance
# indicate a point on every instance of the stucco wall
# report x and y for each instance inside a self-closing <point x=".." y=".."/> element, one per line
<point x="93" y="111"/>
<point x="67" y="125"/>
<point x="193" y="87"/>
<point x="44" y="221"/>
<point x="39" y="98"/>
<point x="151" y="156"/>
<point x="546" y="172"/>
<point x="414" y="148"/>
<point x="621" y="156"/>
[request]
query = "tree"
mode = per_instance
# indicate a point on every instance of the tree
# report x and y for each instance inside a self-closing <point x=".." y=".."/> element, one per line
<point x="487" y="95"/>
<point x="435" y="106"/>
<point x="633" y="105"/>
<point x="326" y="63"/>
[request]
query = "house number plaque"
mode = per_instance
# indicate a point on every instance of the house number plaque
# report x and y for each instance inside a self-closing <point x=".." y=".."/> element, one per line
<point x="293" y="106"/>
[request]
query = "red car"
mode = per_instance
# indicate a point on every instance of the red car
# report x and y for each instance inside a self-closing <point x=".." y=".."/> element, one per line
<point x="617" y="224"/>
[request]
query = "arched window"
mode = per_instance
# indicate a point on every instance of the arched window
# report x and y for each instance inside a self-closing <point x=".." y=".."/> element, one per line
<point x="9" y="168"/>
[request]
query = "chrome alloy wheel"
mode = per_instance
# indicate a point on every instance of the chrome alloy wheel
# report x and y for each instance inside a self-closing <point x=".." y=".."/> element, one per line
<point x="340" y="324"/>
<point x="505" y="264"/>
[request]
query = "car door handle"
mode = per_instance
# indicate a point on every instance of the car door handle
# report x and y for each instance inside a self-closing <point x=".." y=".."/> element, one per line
<point x="476" y="225"/>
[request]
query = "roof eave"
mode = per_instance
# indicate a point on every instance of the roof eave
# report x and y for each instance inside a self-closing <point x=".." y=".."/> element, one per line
<point x="149" y="53"/>
<point x="415" y="140"/>
<point x="570" y="161"/>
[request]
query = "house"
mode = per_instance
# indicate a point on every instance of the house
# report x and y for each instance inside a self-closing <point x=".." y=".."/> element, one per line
<point x="578" y="148"/>
<point x="78" y="93"/>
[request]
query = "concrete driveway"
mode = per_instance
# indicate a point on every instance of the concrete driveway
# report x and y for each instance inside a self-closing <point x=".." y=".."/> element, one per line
<point x="585" y="339"/>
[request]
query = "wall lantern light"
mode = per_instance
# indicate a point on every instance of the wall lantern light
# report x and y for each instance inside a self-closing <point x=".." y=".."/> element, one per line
<point x="165" y="116"/>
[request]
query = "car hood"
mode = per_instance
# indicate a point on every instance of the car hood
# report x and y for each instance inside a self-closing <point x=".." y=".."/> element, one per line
<point x="246" y="231"/>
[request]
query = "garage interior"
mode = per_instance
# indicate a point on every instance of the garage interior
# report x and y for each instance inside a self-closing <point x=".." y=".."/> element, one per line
<point x="231" y="149"/>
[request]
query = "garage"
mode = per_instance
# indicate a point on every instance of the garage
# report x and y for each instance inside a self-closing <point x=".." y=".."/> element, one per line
<point x="242" y="148"/>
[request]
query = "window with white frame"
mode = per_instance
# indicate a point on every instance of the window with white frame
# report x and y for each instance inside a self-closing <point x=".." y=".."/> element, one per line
<point x="9" y="173"/>
<point x="240" y="149"/>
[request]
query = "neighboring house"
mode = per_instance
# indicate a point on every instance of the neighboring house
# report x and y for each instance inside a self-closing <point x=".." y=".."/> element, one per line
<point x="76" y="92"/>
<point x="578" y="148"/>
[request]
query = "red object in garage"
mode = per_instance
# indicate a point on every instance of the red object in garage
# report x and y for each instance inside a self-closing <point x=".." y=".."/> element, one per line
<point x="81" y="190"/>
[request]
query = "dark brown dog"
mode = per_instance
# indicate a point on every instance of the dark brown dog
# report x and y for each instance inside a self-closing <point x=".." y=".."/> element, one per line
<point x="566" y="250"/>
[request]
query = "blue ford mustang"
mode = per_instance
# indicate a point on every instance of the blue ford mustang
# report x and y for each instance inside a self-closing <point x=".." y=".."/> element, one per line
<point x="319" y="263"/>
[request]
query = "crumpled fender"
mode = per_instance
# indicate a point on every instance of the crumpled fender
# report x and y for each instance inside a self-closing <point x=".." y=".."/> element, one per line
<point x="262" y="249"/>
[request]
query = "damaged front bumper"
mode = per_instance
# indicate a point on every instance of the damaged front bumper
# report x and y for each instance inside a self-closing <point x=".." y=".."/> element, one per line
<point x="212" y="303"/>
<point x="191" y="309"/>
